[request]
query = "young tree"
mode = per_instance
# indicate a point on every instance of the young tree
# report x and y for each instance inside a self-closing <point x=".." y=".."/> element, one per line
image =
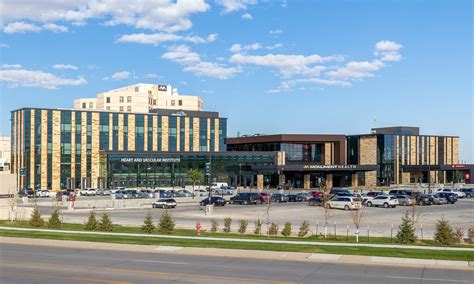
<point x="13" y="204"/>
<point x="105" y="223"/>
<point x="258" y="227"/>
<point x="286" y="230"/>
<point x="54" y="221"/>
<point x="273" y="229"/>
<point x="214" y="225"/>
<point x="444" y="233"/>
<point x="243" y="226"/>
<point x="148" y="226"/>
<point x="459" y="235"/>
<point x="326" y="197"/>
<point x="91" y="224"/>
<point x="166" y="225"/>
<point x="357" y="216"/>
<point x="406" y="231"/>
<point x="195" y="176"/>
<point x="36" y="220"/>
<point x="227" y="223"/>
<point x="304" y="229"/>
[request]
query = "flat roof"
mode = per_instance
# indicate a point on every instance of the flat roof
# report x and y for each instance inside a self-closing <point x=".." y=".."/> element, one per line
<point x="286" y="138"/>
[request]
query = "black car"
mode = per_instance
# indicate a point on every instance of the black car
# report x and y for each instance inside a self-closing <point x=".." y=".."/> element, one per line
<point x="468" y="191"/>
<point x="295" y="198"/>
<point x="245" y="198"/>
<point x="340" y="192"/>
<point x="425" y="199"/>
<point x="315" y="201"/>
<point x="278" y="197"/>
<point x="216" y="200"/>
<point x="449" y="196"/>
<point x="407" y="192"/>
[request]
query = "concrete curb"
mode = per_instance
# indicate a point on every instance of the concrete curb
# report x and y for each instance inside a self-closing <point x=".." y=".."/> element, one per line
<point x="252" y="254"/>
<point x="240" y="240"/>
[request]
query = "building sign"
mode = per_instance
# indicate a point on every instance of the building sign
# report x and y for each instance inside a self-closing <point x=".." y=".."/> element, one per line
<point x="150" y="160"/>
<point x="457" y="166"/>
<point x="330" y="167"/>
<point x="162" y="88"/>
<point x="179" y="113"/>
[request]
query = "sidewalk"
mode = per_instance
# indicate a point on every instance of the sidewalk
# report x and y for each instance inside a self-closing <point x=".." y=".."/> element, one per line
<point x="252" y="254"/>
<point x="242" y="240"/>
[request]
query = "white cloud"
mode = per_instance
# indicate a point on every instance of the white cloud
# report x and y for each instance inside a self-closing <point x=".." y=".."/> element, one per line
<point x="275" y="46"/>
<point x="158" y="38"/>
<point x="275" y="32"/>
<point x="247" y="16"/>
<point x="14" y="78"/>
<point x="163" y="15"/>
<point x="357" y="70"/>
<point x="55" y="28"/>
<point x="65" y="67"/>
<point x="11" y="66"/>
<point x="389" y="50"/>
<point x="192" y="63"/>
<point x="4" y="45"/>
<point x="152" y="76"/>
<point x="238" y="48"/>
<point x="117" y="76"/>
<point x="235" y="5"/>
<point x="20" y="27"/>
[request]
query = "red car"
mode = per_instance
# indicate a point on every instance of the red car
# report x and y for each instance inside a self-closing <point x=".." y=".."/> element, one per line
<point x="315" y="193"/>
<point x="264" y="197"/>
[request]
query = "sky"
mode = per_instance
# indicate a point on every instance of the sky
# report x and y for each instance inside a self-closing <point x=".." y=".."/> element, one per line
<point x="339" y="67"/>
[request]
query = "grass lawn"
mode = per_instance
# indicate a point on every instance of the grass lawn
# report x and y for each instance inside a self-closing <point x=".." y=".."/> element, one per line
<point x="387" y="252"/>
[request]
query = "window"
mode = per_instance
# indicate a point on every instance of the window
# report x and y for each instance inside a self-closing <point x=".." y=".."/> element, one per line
<point x="121" y="108"/>
<point x="154" y="102"/>
<point x="107" y="108"/>
<point x="136" y="89"/>
<point x="129" y="108"/>
<point x="149" y="92"/>
<point x="107" y="99"/>
<point x="172" y="102"/>
<point x="180" y="102"/>
<point x="121" y="99"/>
<point x="91" y="105"/>
<point x="129" y="99"/>
<point x="84" y="105"/>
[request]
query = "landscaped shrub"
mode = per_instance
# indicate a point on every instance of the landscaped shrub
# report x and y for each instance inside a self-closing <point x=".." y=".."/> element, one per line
<point x="459" y="235"/>
<point x="286" y="230"/>
<point x="36" y="220"/>
<point x="214" y="225"/>
<point x="273" y="229"/>
<point x="105" y="223"/>
<point x="258" y="227"/>
<point x="406" y="231"/>
<point x="54" y="222"/>
<point x="166" y="225"/>
<point x="470" y="234"/>
<point x="304" y="229"/>
<point x="148" y="226"/>
<point x="91" y="224"/>
<point x="243" y="226"/>
<point x="227" y="223"/>
<point x="444" y="233"/>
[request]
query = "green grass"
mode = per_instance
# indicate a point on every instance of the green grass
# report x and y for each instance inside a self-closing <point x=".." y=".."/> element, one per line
<point x="386" y="252"/>
<point x="187" y="232"/>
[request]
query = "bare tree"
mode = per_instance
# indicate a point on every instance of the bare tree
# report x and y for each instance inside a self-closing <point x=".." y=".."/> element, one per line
<point x="12" y="202"/>
<point x="414" y="212"/>
<point x="325" y="198"/>
<point x="357" y="216"/>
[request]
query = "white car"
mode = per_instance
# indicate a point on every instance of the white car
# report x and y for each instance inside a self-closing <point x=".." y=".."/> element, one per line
<point x="383" y="200"/>
<point x="117" y="189"/>
<point x="185" y="192"/>
<point x="41" y="193"/>
<point x="225" y="190"/>
<point x="87" y="192"/>
<point x="201" y="192"/>
<point x="460" y="194"/>
<point x="164" y="203"/>
<point x="345" y="202"/>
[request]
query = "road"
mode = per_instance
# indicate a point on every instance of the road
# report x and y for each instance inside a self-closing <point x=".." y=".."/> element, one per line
<point x="42" y="264"/>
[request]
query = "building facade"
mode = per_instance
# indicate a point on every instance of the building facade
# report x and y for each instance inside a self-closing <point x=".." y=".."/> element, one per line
<point x="140" y="98"/>
<point x="5" y="154"/>
<point x="57" y="148"/>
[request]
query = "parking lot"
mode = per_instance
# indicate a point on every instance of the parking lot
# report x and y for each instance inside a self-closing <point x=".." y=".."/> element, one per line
<point x="379" y="220"/>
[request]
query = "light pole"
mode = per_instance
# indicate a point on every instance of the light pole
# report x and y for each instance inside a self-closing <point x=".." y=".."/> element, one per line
<point x="210" y="172"/>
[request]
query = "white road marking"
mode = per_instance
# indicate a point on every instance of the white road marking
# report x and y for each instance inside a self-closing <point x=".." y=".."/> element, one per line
<point x="158" y="261"/>
<point x="427" y="279"/>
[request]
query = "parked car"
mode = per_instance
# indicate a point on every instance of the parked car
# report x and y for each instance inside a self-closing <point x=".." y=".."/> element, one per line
<point x="371" y="195"/>
<point x="460" y="194"/>
<point x="115" y="189"/>
<point x="345" y="202"/>
<point x="122" y="194"/>
<point x="315" y="193"/>
<point x="201" y="192"/>
<point x="305" y="196"/>
<point x="175" y="193"/>
<point x="450" y="197"/>
<point x="42" y="193"/>
<point x="425" y="199"/>
<point x="469" y="192"/>
<point x="245" y="198"/>
<point x="278" y="197"/>
<point x="383" y="200"/>
<point x="294" y="198"/>
<point x="216" y="200"/>
<point x="438" y="200"/>
<point x="164" y="203"/>
<point x="185" y="193"/>
<point x="133" y="193"/>
<point x="224" y="190"/>
<point x="87" y="192"/>
<point x="341" y="192"/>
<point x="103" y="192"/>
<point x="404" y="200"/>
<point x="315" y="201"/>
<point x="264" y="197"/>
<point x="163" y="193"/>
<point x="400" y="191"/>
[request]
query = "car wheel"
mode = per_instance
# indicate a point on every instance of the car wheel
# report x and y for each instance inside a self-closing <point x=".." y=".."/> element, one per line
<point x="405" y="203"/>
<point x="346" y="207"/>
<point x="245" y="202"/>
<point x="369" y="204"/>
<point x="420" y="202"/>
<point x="394" y="206"/>
<point x="385" y="205"/>
<point x="165" y="207"/>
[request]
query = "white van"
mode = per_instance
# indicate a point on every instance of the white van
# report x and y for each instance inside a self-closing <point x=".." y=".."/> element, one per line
<point x="217" y="185"/>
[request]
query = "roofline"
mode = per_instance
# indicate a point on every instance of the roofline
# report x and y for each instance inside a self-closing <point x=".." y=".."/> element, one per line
<point x="287" y="138"/>
<point x="423" y="135"/>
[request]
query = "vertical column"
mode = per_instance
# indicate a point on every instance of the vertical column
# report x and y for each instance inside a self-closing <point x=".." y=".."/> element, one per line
<point x="44" y="148"/>
<point x="186" y="134"/>
<point x="178" y="134"/>
<point x="329" y="181"/>
<point x="164" y="133"/>
<point x="73" y="149"/>
<point x="281" y="179"/>
<point x="120" y="132"/>
<point x="216" y="135"/>
<point x="22" y="147"/>
<point x="111" y="131"/>
<point x="131" y="132"/>
<point x="449" y="155"/>
<point x="155" y="133"/>
<point x="354" y="180"/>
<point x="145" y="133"/>
<point x="32" y="149"/>
<point x="413" y="156"/>
<point x="95" y="149"/>
<point x="208" y="136"/>
<point x="56" y="157"/>
<point x="327" y="153"/>
<point x="455" y="151"/>
<point x="196" y="134"/>
<point x="83" y="145"/>
<point x="307" y="181"/>
<point x="259" y="181"/>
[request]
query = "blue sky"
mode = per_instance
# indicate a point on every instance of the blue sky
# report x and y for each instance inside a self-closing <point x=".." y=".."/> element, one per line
<point x="269" y="66"/>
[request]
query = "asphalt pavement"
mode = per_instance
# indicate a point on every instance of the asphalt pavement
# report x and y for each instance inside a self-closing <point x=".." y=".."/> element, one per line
<point x="43" y="264"/>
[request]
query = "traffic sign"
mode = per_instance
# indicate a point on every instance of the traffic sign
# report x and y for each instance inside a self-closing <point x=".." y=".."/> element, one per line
<point x="22" y="171"/>
<point x="208" y="169"/>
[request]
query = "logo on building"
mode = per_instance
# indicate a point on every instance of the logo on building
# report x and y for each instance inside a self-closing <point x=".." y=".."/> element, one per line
<point x="179" y="113"/>
<point x="327" y="167"/>
<point x="150" y="160"/>
<point x="162" y="88"/>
